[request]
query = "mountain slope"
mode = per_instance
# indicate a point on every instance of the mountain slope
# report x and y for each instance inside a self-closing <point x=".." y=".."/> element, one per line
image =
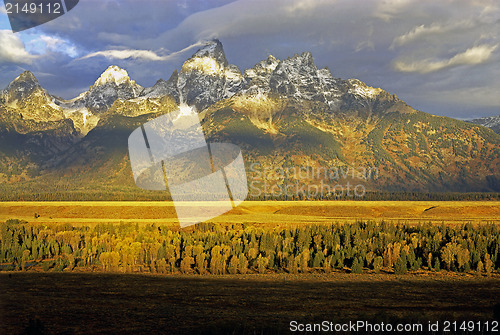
<point x="411" y="151"/>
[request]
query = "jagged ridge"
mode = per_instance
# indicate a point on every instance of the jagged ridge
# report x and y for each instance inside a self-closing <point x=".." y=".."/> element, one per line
<point x="281" y="112"/>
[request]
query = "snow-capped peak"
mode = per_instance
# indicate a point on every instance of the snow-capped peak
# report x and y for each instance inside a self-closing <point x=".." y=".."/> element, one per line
<point x="113" y="74"/>
<point x="212" y="49"/>
<point x="208" y="49"/>
<point x="209" y="60"/>
<point x="113" y="84"/>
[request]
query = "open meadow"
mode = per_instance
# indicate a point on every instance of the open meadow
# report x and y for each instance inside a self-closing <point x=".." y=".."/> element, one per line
<point x="273" y="213"/>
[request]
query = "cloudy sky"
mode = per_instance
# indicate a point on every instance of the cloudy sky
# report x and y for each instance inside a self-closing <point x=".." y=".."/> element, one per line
<point x="441" y="57"/>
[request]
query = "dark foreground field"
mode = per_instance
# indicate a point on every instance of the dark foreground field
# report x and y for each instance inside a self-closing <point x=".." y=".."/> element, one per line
<point x="89" y="303"/>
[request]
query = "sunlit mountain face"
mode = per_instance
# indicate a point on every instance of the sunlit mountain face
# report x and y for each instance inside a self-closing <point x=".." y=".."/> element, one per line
<point x="282" y="113"/>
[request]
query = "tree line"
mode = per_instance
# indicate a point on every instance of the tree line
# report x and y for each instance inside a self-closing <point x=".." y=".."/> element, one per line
<point x="364" y="246"/>
<point x="32" y="193"/>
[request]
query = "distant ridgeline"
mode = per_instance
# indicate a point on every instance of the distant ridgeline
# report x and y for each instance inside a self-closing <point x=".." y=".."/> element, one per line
<point x="239" y="249"/>
<point x="283" y="114"/>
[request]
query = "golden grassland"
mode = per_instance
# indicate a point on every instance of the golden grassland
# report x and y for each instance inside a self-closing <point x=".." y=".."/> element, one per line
<point x="85" y="302"/>
<point x="277" y="213"/>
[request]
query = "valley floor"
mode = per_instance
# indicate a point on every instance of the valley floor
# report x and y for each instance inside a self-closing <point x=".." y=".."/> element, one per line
<point x="107" y="303"/>
<point x="256" y="212"/>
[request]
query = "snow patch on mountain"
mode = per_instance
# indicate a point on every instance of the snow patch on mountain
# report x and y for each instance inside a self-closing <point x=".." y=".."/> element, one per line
<point x="259" y="108"/>
<point x="298" y="77"/>
<point x="361" y="89"/>
<point x="113" y="84"/>
<point x="490" y="121"/>
<point x="206" y="77"/>
<point x="212" y="49"/>
<point x="258" y="77"/>
<point x="113" y="74"/>
<point x="206" y="65"/>
<point x="83" y="119"/>
<point x="158" y="90"/>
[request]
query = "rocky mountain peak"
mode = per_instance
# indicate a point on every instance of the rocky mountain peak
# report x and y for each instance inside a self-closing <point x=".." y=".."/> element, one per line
<point x="298" y="62"/>
<point x="298" y="77"/>
<point x="113" y="84"/>
<point x="174" y="77"/>
<point x="25" y="96"/>
<point x="207" y="77"/>
<point x="212" y="49"/>
<point x="266" y="66"/>
<point x="113" y="74"/>
<point x="26" y="76"/>
<point x="305" y="58"/>
<point x="22" y="87"/>
<point x="162" y="88"/>
<point x="210" y="60"/>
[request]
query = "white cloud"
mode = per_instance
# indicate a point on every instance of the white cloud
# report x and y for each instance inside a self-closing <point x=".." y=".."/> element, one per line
<point x="388" y="9"/>
<point x="472" y="56"/>
<point x="365" y="45"/>
<point x="423" y="31"/>
<point x="51" y="41"/>
<point x="126" y="54"/>
<point x="258" y="18"/>
<point x="12" y="49"/>
<point x="144" y="55"/>
<point x="490" y="13"/>
<point x="306" y="6"/>
<point x="46" y="43"/>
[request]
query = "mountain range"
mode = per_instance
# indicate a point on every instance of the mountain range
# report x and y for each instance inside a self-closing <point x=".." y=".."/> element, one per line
<point x="492" y="122"/>
<point x="282" y="113"/>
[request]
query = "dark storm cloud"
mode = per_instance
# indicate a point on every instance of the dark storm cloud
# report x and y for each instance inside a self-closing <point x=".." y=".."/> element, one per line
<point x="99" y="26"/>
<point x="440" y="57"/>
